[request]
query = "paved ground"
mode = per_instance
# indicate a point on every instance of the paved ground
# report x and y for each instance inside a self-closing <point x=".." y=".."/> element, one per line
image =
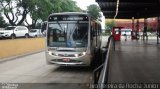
<point x="133" y="62"/>
<point x="33" y="69"/>
<point x="32" y="72"/>
<point x="136" y="62"/>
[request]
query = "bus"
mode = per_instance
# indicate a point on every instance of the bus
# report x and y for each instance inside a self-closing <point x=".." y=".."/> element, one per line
<point x="72" y="39"/>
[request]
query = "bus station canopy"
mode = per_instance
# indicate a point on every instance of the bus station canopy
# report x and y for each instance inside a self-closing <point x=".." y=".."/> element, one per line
<point x="130" y="8"/>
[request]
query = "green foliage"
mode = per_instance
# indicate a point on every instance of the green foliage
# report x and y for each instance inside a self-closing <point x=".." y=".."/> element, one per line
<point x="94" y="11"/>
<point x="37" y="9"/>
<point x="2" y="22"/>
<point x="40" y="9"/>
<point x="109" y="25"/>
<point x="13" y="9"/>
<point x="70" y="6"/>
<point x="107" y="32"/>
<point x="64" y="6"/>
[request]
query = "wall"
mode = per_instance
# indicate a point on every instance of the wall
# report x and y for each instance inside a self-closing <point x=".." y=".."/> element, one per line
<point x="15" y="47"/>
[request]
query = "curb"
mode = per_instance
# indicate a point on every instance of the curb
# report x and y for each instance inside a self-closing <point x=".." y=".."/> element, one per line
<point x="19" y="56"/>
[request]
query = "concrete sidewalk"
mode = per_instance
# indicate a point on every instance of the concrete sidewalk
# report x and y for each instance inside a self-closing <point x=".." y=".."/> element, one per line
<point x="135" y="62"/>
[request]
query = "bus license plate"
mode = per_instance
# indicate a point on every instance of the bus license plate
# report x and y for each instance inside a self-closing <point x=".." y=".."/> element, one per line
<point x="66" y="59"/>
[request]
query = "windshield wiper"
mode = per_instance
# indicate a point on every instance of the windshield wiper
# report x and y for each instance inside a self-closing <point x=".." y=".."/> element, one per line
<point x="59" y="25"/>
<point x="71" y="34"/>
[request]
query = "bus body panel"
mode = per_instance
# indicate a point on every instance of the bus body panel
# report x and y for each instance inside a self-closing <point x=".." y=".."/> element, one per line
<point x="67" y="56"/>
<point x="83" y="60"/>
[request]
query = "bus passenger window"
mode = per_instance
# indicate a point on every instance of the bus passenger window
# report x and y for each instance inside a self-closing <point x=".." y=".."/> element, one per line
<point x="80" y="35"/>
<point x="94" y="33"/>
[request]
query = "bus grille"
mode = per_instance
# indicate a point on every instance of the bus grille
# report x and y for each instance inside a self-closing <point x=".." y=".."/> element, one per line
<point x="66" y="55"/>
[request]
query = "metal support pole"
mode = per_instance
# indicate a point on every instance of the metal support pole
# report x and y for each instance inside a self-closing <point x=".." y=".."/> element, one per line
<point x="145" y="30"/>
<point x="158" y="29"/>
<point x="137" y="31"/>
<point x="132" y="28"/>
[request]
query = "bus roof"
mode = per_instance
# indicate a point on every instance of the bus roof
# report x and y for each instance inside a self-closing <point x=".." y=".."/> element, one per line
<point x="70" y="13"/>
<point x="69" y="16"/>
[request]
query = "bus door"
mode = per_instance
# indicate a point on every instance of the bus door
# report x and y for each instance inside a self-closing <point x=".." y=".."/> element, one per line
<point x="116" y="32"/>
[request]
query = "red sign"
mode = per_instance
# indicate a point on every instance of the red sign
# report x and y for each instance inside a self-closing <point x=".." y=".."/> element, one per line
<point x="116" y="32"/>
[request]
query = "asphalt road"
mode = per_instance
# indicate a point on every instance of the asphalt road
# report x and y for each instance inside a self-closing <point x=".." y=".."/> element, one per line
<point x="33" y="69"/>
<point x="33" y="72"/>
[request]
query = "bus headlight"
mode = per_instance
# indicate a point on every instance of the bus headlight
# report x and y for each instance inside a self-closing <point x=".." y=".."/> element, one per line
<point x="84" y="53"/>
<point x="50" y="53"/>
<point x="56" y="54"/>
<point x="76" y="55"/>
<point x="81" y="54"/>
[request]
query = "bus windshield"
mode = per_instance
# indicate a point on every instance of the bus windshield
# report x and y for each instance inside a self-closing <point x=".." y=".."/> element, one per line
<point x="67" y="34"/>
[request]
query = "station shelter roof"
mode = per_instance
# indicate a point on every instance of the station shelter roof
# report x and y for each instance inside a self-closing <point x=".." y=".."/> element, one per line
<point x="130" y="8"/>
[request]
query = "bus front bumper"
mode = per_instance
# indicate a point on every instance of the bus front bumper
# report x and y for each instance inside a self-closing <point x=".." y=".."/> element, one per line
<point x="84" y="60"/>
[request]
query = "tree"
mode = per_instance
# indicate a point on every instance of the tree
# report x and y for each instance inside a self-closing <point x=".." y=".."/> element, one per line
<point x="108" y="26"/>
<point x="39" y="9"/>
<point x="70" y="6"/>
<point x="2" y="22"/>
<point x="64" y="6"/>
<point x="94" y="11"/>
<point x="16" y="11"/>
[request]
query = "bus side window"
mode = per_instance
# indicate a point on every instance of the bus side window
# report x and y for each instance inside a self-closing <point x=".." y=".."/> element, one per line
<point x="94" y="32"/>
<point x="91" y="33"/>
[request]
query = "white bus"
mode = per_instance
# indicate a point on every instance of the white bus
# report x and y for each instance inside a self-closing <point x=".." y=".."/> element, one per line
<point x="72" y="39"/>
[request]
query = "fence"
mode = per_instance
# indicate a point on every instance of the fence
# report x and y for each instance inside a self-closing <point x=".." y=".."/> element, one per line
<point x="101" y="74"/>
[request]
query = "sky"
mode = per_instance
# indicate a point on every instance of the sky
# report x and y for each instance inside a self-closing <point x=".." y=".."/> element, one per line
<point x="84" y="3"/>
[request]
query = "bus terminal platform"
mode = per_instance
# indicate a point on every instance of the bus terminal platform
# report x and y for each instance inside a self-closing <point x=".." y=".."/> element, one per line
<point x="135" y="61"/>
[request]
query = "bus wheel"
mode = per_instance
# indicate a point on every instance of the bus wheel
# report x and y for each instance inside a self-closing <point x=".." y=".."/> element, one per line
<point x="93" y="63"/>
